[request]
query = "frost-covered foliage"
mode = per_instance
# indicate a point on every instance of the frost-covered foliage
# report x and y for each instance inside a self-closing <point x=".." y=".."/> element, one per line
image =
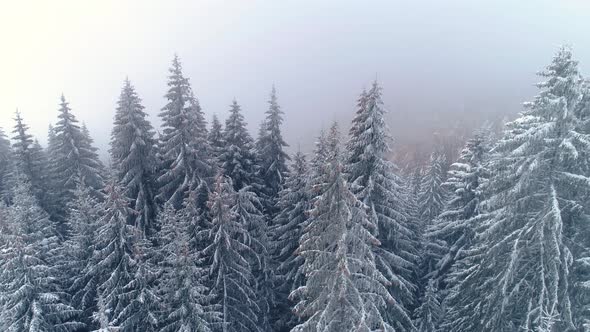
<point x="142" y="304"/>
<point x="271" y="155"/>
<point x="133" y="157"/>
<point x="187" y="300"/>
<point x="183" y="147"/>
<point x="78" y="249"/>
<point x="230" y="267"/>
<point x="429" y="313"/>
<point x="452" y="227"/>
<point x="344" y="290"/>
<point x="31" y="298"/>
<point x="74" y="159"/>
<point x="432" y="194"/>
<point x="288" y="226"/>
<point x="375" y="182"/>
<point x="6" y="167"/>
<point x="215" y="138"/>
<point x="237" y="156"/>
<point x="112" y="261"/>
<point x="520" y="279"/>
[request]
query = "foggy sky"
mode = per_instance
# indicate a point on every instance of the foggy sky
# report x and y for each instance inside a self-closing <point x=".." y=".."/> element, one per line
<point x="439" y="62"/>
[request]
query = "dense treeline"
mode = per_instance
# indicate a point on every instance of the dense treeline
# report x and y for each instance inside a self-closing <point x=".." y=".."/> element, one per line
<point x="206" y="228"/>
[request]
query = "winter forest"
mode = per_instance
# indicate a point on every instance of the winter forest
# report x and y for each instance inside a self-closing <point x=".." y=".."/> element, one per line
<point x="203" y="226"/>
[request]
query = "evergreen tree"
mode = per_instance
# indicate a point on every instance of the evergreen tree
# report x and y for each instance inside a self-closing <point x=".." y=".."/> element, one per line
<point x="112" y="261"/>
<point x="519" y="276"/>
<point x="375" y="182"/>
<point x="231" y="272"/>
<point x="288" y="225"/>
<point x="430" y="312"/>
<point x="272" y="158"/>
<point x="237" y="157"/>
<point x="30" y="295"/>
<point x="133" y="157"/>
<point x="75" y="159"/>
<point x="452" y="225"/>
<point x="215" y="138"/>
<point x="187" y="298"/>
<point x="142" y="302"/>
<point x="183" y="148"/>
<point x="344" y="290"/>
<point x="6" y="167"/>
<point x="78" y="250"/>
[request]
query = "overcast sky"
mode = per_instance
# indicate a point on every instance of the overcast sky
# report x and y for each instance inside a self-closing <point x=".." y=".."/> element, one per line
<point x="435" y="59"/>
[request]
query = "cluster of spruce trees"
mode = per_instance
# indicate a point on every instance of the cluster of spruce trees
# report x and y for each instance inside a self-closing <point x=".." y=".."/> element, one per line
<point x="209" y="229"/>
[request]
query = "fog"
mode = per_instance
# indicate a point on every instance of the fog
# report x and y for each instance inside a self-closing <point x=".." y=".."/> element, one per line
<point x="442" y="64"/>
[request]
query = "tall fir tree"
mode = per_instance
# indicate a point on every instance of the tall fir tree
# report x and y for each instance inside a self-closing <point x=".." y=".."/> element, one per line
<point x="83" y="223"/>
<point x="183" y="147"/>
<point x="230" y="266"/>
<point x="237" y="157"/>
<point x="344" y="290"/>
<point x="375" y="182"/>
<point x="188" y="301"/>
<point x="215" y="138"/>
<point x="536" y="199"/>
<point x="288" y="226"/>
<point x="429" y="313"/>
<point x="112" y="262"/>
<point x="75" y="159"/>
<point x="133" y="157"/>
<point x="272" y="157"/>
<point x="31" y="298"/>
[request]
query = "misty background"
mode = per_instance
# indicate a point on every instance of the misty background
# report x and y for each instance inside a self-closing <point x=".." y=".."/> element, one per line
<point x="445" y="66"/>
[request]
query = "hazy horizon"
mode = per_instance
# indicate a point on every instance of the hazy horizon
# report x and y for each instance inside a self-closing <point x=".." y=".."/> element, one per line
<point x="440" y="64"/>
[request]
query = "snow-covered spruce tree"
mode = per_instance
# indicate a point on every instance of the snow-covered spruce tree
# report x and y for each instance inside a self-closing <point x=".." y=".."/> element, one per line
<point x="215" y="138"/>
<point x="133" y="156"/>
<point x="30" y="160"/>
<point x="142" y="303"/>
<point x="230" y="269"/>
<point x="288" y="225"/>
<point x="375" y="182"/>
<point x="183" y="147"/>
<point x="344" y="290"/>
<point x="578" y="238"/>
<point x="112" y="262"/>
<point x="30" y="295"/>
<point x="453" y="226"/>
<point x="520" y="279"/>
<point x="237" y="157"/>
<point x="6" y="167"/>
<point x="429" y="313"/>
<point x="272" y="158"/>
<point x="82" y="223"/>
<point x="187" y="300"/>
<point x="74" y="159"/>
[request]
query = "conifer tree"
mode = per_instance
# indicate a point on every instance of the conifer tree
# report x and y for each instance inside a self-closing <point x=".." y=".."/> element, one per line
<point x="183" y="147"/>
<point x="6" y="167"/>
<point x="112" y="261"/>
<point x="237" y="157"/>
<point x="142" y="303"/>
<point x="30" y="295"/>
<point x="188" y="300"/>
<point x="344" y="290"/>
<point x="429" y="313"/>
<point x="288" y="225"/>
<point x="522" y="262"/>
<point x="230" y="270"/>
<point x="78" y="249"/>
<point x="375" y="182"/>
<point x="75" y="159"/>
<point x="133" y="157"/>
<point x="272" y="157"/>
<point x="215" y="138"/>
